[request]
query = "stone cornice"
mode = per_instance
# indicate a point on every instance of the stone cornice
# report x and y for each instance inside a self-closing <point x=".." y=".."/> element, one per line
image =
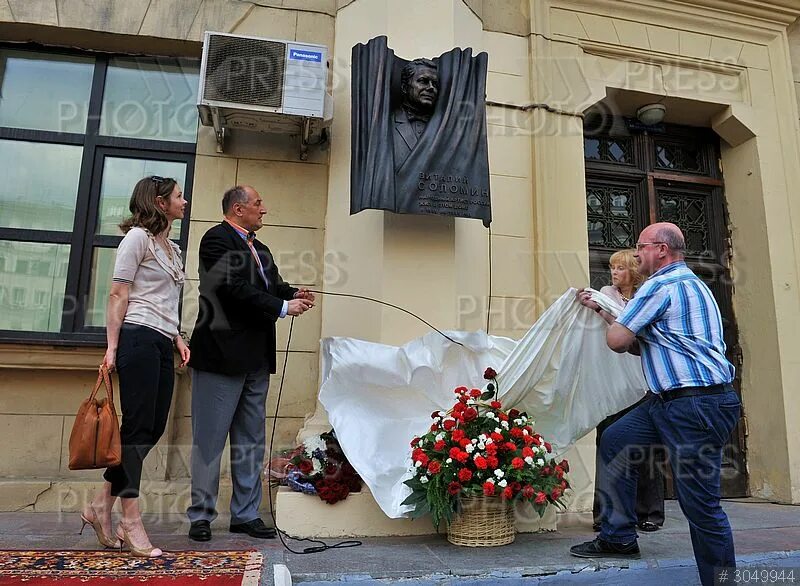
<point x="779" y="11"/>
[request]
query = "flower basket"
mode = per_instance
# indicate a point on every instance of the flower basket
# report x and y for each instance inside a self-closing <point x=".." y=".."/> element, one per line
<point x="482" y="522"/>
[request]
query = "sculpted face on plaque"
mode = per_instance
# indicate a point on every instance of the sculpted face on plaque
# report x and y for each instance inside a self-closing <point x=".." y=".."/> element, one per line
<point x="419" y="85"/>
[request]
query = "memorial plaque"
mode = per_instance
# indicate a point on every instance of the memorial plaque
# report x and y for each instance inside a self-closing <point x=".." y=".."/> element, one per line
<point x="419" y="133"/>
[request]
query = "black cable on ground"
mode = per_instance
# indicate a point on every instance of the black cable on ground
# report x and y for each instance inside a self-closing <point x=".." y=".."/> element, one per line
<point x="321" y="545"/>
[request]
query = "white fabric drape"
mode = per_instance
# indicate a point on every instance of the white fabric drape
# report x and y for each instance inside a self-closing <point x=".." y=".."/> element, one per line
<point x="561" y="373"/>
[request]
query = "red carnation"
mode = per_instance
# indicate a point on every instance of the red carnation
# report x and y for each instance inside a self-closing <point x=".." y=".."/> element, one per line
<point x="305" y="466"/>
<point x="460" y="390"/>
<point x="559" y="472"/>
<point x="516" y="432"/>
<point x="510" y="446"/>
<point x="458" y="435"/>
<point x="470" y="414"/>
<point x="414" y="442"/>
<point x="423" y="459"/>
<point x="565" y="465"/>
<point x="527" y="452"/>
<point x="548" y="447"/>
<point x="458" y="408"/>
<point x="454" y="488"/>
<point x="528" y="440"/>
<point x="515" y="486"/>
<point x="502" y="416"/>
<point x="513" y="413"/>
<point x="434" y="415"/>
<point x="434" y="467"/>
<point x="454" y="452"/>
<point x="448" y="424"/>
<point x="536" y="439"/>
<point x="489" y="373"/>
<point x="434" y="427"/>
<point x="496" y="437"/>
<point x="488" y="488"/>
<point x="541" y="498"/>
<point x="556" y="493"/>
<point x="508" y="493"/>
<point x="462" y="457"/>
<point x="517" y="463"/>
<point x="546" y="471"/>
<point x="493" y="462"/>
<point x="480" y="463"/>
<point x="416" y="453"/>
<point x="564" y="485"/>
<point x="491" y="449"/>
<point x="475" y="393"/>
<point x="439" y="445"/>
<point x="464" y="442"/>
<point x="464" y="474"/>
<point x="495" y="404"/>
<point x="528" y="492"/>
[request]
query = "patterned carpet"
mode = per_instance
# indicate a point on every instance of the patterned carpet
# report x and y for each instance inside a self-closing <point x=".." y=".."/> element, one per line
<point x="209" y="568"/>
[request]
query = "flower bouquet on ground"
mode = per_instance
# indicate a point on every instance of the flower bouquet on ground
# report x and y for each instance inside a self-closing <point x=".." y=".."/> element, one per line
<point x="476" y="449"/>
<point x="318" y="466"/>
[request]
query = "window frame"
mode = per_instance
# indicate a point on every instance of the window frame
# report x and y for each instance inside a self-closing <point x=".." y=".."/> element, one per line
<point x="82" y="239"/>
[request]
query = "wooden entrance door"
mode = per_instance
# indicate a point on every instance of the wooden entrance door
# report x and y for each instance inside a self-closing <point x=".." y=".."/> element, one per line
<point x="673" y="174"/>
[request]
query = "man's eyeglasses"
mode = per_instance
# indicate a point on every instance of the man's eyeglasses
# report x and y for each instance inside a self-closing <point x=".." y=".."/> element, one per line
<point x="640" y="245"/>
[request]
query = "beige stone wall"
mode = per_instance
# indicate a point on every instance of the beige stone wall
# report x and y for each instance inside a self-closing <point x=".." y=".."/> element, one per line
<point x="38" y="403"/>
<point x="731" y="67"/>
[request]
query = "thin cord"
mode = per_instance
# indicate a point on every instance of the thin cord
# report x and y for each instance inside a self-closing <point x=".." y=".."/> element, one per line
<point x="322" y="546"/>
<point x="390" y="305"/>
<point x="489" y="298"/>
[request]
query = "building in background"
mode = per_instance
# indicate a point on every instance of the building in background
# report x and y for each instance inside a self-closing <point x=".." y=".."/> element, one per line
<point x="97" y="94"/>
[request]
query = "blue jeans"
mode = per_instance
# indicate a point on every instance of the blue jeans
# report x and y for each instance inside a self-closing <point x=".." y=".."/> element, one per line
<point x="693" y="430"/>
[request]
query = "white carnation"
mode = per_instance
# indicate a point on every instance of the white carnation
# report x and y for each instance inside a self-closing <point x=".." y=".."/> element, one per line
<point x="504" y="424"/>
<point x="499" y="473"/>
<point x="529" y="460"/>
<point x="503" y="483"/>
<point x="482" y="437"/>
<point x="417" y="464"/>
<point x="490" y="480"/>
<point x="540" y="462"/>
<point x="423" y="479"/>
<point x="469" y="449"/>
<point x="449" y="460"/>
<point x="440" y="436"/>
<point x="498" y="430"/>
<point x="481" y="446"/>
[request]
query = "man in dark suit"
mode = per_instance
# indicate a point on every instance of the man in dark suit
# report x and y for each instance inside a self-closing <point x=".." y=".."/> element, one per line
<point x="419" y="85"/>
<point x="242" y="295"/>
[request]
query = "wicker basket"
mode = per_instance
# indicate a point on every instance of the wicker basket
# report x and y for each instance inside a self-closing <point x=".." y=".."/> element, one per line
<point x="483" y="522"/>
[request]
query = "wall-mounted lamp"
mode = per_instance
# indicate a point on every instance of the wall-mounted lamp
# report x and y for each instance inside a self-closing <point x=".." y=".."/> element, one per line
<point x="651" y="114"/>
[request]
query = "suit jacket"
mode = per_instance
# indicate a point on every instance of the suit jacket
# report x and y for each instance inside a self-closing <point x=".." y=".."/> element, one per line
<point x="235" y="328"/>
<point x="404" y="137"/>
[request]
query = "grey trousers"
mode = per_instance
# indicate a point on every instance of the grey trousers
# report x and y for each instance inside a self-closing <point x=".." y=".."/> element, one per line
<point x="223" y="404"/>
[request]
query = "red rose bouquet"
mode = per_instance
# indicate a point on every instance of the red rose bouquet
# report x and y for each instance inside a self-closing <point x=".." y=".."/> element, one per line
<point x="319" y="467"/>
<point x="476" y="448"/>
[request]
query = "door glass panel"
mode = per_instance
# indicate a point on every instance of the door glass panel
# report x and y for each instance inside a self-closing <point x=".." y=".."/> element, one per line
<point x="44" y="92"/>
<point x="33" y="277"/>
<point x="102" y="270"/>
<point x="689" y="211"/>
<point x="119" y="177"/>
<point x="153" y="99"/>
<point x="40" y="184"/>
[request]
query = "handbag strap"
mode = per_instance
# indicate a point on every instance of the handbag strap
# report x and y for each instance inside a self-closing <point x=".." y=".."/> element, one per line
<point x="105" y="380"/>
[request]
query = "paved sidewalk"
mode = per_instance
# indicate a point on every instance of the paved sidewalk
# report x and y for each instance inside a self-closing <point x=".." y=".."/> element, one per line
<point x="765" y="535"/>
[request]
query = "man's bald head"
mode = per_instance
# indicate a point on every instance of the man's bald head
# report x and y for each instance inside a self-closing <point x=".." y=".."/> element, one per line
<point x="659" y="245"/>
<point x="671" y="235"/>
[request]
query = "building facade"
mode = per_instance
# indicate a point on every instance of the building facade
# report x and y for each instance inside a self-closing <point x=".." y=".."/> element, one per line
<point x="96" y="94"/>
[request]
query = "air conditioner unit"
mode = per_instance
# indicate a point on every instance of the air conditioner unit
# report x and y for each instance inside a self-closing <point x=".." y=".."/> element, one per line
<point x="263" y="85"/>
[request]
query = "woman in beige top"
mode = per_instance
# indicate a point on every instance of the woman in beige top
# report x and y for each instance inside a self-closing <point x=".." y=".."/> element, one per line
<point x="142" y="326"/>
<point x="625" y="279"/>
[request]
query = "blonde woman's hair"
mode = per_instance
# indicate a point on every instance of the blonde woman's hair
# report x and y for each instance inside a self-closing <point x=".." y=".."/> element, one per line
<point x="626" y="259"/>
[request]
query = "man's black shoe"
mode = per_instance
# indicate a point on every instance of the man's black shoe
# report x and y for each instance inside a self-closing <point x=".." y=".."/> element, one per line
<point x="648" y="526"/>
<point x="254" y="528"/>
<point x="200" y="531"/>
<point x="600" y="548"/>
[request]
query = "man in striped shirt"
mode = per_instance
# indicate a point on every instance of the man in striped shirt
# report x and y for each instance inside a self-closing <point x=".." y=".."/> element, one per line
<point x="675" y="324"/>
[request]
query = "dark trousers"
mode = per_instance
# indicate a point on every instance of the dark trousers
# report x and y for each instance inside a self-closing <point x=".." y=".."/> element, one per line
<point x="693" y="430"/>
<point x="146" y="376"/>
<point x="650" y="486"/>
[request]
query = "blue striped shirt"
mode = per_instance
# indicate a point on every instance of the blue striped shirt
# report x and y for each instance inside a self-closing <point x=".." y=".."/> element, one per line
<point x="679" y="327"/>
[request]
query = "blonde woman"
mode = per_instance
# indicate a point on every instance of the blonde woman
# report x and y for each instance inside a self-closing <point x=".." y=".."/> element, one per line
<point x="141" y="327"/>
<point x="625" y="279"/>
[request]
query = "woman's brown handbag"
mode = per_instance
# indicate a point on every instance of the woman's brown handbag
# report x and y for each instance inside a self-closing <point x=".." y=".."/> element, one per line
<point x="94" y="442"/>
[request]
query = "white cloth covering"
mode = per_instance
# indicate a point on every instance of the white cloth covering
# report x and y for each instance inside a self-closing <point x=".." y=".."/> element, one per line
<point x="561" y="373"/>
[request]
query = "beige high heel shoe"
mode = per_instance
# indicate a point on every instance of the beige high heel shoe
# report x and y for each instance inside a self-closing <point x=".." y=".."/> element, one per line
<point x="104" y="540"/>
<point x="125" y="541"/>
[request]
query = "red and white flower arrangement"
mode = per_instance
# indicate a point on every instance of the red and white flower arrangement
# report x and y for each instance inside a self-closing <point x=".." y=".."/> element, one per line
<point x="476" y="448"/>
